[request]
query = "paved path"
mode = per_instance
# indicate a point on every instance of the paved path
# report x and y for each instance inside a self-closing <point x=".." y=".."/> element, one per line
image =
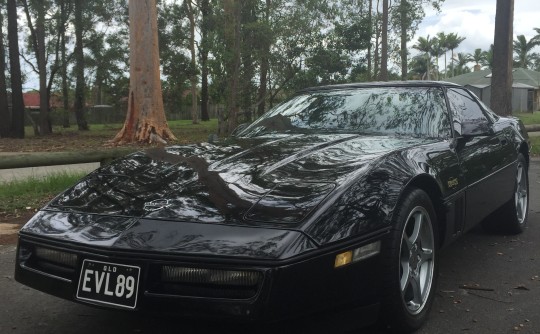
<point x="22" y="173"/>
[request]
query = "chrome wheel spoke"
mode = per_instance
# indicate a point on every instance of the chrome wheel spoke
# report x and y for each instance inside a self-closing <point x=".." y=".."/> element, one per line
<point x="416" y="290"/>
<point x="521" y="195"/>
<point x="519" y="174"/>
<point x="426" y="256"/>
<point x="418" y="221"/>
<point x="405" y="276"/>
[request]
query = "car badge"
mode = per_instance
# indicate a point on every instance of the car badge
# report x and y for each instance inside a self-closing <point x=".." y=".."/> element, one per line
<point x="452" y="183"/>
<point x="157" y="204"/>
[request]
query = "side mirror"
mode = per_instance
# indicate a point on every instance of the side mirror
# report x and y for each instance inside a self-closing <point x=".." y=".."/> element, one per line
<point x="239" y="129"/>
<point x="475" y="127"/>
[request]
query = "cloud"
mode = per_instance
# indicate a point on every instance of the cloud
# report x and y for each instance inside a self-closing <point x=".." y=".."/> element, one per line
<point x="475" y="20"/>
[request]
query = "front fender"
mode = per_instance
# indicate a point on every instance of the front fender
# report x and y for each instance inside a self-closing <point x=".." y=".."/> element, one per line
<point x="368" y="204"/>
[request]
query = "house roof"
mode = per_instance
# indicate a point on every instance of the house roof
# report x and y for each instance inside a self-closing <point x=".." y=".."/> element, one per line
<point x="523" y="78"/>
<point x="31" y="100"/>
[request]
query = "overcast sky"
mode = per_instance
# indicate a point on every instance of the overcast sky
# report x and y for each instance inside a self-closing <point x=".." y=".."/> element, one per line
<point x="475" y="20"/>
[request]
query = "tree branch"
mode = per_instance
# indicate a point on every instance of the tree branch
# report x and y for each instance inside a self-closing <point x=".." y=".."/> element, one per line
<point x="29" y="63"/>
<point x="31" y="27"/>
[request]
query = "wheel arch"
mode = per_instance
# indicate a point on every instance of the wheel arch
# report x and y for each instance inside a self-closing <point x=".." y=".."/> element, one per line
<point x="524" y="149"/>
<point x="430" y="186"/>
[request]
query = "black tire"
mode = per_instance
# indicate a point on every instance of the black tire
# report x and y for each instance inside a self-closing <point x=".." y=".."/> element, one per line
<point x="410" y="263"/>
<point x="512" y="217"/>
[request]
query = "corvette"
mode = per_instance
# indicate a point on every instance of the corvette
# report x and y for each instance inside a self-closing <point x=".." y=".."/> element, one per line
<point x="339" y="198"/>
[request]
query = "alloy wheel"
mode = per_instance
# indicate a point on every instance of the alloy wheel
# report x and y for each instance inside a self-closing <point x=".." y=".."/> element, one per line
<point x="521" y="195"/>
<point x="417" y="260"/>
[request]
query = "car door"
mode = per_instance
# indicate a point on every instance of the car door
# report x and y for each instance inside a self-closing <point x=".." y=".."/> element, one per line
<point x="486" y="156"/>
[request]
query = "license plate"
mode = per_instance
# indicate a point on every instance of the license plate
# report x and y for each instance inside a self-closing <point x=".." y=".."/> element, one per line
<point x="109" y="283"/>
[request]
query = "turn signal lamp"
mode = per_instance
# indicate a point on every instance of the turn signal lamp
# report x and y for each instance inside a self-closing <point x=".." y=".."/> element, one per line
<point x="357" y="254"/>
<point x="343" y="259"/>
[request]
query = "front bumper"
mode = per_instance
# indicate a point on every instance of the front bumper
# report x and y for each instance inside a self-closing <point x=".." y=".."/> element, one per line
<point x="285" y="289"/>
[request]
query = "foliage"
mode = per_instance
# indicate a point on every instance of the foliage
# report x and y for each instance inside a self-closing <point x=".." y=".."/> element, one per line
<point x="461" y="63"/>
<point x="285" y="45"/>
<point x="487" y="61"/>
<point x="478" y="56"/>
<point x="522" y="49"/>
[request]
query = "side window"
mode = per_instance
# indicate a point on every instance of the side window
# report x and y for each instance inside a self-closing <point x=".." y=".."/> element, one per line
<point x="464" y="108"/>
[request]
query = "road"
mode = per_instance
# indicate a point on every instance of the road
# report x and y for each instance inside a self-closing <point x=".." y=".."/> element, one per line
<point x="507" y="267"/>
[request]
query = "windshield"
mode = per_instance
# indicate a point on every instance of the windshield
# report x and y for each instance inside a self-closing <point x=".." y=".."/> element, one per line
<point x="412" y="111"/>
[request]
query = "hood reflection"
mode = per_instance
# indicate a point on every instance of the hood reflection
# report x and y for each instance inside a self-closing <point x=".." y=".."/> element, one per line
<point x="269" y="179"/>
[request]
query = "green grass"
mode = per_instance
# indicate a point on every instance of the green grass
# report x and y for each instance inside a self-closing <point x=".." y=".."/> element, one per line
<point x="529" y="118"/>
<point x="27" y="195"/>
<point x="535" y="146"/>
<point x="184" y="130"/>
<point x="101" y="129"/>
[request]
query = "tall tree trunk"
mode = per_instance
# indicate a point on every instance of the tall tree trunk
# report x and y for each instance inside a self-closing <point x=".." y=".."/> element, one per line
<point x="370" y="19"/>
<point x="248" y="18"/>
<point x="445" y="69"/>
<point x="232" y="11"/>
<point x="44" y="121"/>
<point x="404" y="24"/>
<point x="384" y="48"/>
<point x="5" y="117"/>
<point x="501" y="80"/>
<point x="17" y="102"/>
<point x="377" y="36"/>
<point x="205" y="12"/>
<point x="145" y="119"/>
<point x="65" y="89"/>
<point x="428" y="59"/>
<point x="265" y="65"/>
<point x="193" y="77"/>
<point x="452" y="62"/>
<point x="80" y="88"/>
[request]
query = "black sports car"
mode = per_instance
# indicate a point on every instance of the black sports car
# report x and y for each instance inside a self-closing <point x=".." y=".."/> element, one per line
<point x="338" y="199"/>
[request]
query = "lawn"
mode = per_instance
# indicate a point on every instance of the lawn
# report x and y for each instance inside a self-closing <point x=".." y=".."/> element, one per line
<point x="529" y="118"/>
<point x="70" y="139"/>
<point x="21" y="197"/>
<point x="535" y="146"/>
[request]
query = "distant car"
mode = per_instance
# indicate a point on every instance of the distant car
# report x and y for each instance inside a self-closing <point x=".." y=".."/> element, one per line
<point x="338" y="199"/>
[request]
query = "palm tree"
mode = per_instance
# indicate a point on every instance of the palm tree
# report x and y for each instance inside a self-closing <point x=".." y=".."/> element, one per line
<point x="488" y="58"/>
<point x="443" y="43"/>
<point x="453" y="41"/>
<point x="418" y="68"/>
<point x="537" y="37"/>
<point x="462" y="60"/>
<point x="478" y="57"/>
<point x="522" y="48"/>
<point x="425" y="45"/>
<point x="437" y="50"/>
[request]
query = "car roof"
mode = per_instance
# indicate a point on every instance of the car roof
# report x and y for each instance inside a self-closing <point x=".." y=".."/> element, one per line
<point x="412" y="83"/>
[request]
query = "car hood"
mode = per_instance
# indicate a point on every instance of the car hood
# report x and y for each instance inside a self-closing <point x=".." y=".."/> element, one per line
<point x="265" y="180"/>
<point x="244" y="198"/>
